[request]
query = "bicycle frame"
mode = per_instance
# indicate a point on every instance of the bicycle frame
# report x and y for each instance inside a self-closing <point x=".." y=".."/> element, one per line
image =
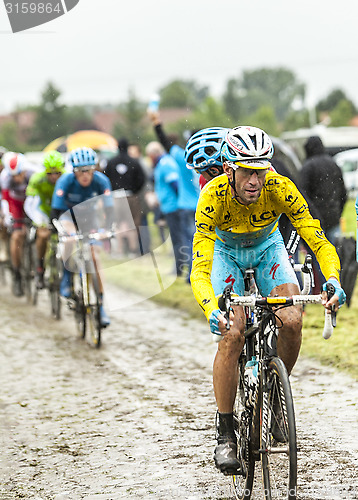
<point x="86" y="295"/>
<point x="272" y="401"/>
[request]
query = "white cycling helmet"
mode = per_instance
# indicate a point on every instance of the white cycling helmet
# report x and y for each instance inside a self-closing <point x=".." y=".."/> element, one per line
<point x="247" y="147"/>
<point x="14" y="163"/>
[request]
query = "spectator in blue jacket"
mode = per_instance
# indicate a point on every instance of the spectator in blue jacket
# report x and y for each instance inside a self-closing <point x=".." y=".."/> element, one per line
<point x="188" y="188"/>
<point x="166" y="187"/>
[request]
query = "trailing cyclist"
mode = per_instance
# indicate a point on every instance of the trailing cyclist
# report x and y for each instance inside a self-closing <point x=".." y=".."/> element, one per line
<point x="236" y="229"/>
<point x="202" y="153"/>
<point x="72" y="191"/>
<point x="38" y="205"/>
<point x="13" y="181"/>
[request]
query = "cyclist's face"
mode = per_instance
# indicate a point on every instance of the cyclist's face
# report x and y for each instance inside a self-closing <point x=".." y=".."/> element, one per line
<point x="248" y="183"/>
<point x="84" y="176"/>
<point x="211" y="172"/>
<point x="52" y="177"/>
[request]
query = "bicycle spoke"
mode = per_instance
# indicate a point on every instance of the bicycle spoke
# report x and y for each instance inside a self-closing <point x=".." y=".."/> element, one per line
<point x="278" y="435"/>
<point x="242" y="484"/>
<point x="93" y="311"/>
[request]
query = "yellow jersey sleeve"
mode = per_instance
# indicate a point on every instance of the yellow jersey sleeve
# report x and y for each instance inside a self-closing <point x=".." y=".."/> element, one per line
<point x="291" y="202"/>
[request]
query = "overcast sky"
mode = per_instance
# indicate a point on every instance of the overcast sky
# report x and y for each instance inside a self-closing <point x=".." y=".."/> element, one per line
<point x="101" y="48"/>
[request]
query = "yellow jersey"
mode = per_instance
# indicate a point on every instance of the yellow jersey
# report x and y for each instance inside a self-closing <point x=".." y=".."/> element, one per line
<point x="219" y="215"/>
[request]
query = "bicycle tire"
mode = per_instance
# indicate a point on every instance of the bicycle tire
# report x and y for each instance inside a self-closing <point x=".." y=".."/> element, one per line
<point x="27" y="270"/>
<point x="34" y="296"/>
<point x="55" y="304"/>
<point x="279" y="469"/>
<point x="54" y="284"/>
<point x="93" y="310"/>
<point x="243" y="484"/>
<point x="79" y="308"/>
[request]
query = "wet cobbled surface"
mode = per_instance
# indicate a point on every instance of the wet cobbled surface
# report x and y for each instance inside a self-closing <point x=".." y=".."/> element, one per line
<point x="135" y="418"/>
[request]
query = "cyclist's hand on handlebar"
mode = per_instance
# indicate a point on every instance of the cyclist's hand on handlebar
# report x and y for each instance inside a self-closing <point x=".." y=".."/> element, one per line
<point x="338" y="298"/>
<point x="218" y="322"/>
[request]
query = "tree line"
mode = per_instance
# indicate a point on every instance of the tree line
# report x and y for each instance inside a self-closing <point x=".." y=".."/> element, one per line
<point x="270" y="98"/>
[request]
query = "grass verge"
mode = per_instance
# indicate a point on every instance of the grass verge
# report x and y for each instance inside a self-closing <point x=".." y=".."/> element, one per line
<point x="141" y="276"/>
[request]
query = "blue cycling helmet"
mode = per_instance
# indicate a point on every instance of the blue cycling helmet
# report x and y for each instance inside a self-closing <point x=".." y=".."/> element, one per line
<point x="248" y="147"/>
<point x="203" y="148"/>
<point x="83" y="157"/>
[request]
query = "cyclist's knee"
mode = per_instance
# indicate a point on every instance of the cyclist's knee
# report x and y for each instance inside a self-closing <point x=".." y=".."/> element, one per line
<point x="234" y="338"/>
<point x="292" y="321"/>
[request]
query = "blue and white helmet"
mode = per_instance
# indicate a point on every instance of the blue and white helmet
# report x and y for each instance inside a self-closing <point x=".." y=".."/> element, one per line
<point x="248" y="147"/>
<point x="83" y="157"/>
<point x="203" y="148"/>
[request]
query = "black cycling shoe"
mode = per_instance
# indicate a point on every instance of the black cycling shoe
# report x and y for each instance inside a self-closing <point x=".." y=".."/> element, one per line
<point x="17" y="288"/>
<point x="39" y="280"/>
<point x="225" y="456"/>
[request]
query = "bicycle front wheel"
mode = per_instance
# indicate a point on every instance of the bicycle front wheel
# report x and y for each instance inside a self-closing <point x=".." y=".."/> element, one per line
<point x="79" y="306"/>
<point x="94" y="310"/>
<point x="243" y="483"/>
<point x="278" y="434"/>
<point x="28" y="272"/>
<point x="55" y="271"/>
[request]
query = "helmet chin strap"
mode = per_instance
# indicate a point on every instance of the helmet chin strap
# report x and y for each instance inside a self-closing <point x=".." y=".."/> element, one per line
<point x="232" y="183"/>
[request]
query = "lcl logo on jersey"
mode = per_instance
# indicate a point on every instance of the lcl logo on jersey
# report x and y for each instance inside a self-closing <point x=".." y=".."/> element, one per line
<point x="263" y="219"/>
<point x="24" y="14"/>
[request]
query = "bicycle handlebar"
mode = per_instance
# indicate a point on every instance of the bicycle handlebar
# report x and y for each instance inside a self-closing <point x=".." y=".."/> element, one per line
<point x="252" y="301"/>
<point x="63" y="236"/>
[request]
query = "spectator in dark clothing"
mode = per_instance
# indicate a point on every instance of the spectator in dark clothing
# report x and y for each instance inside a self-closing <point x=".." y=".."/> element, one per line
<point x="323" y="186"/>
<point x="322" y="180"/>
<point x="127" y="178"/>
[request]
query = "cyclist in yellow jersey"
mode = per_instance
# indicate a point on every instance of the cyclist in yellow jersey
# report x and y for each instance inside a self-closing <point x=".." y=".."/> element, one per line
<point x="237" y="228"/>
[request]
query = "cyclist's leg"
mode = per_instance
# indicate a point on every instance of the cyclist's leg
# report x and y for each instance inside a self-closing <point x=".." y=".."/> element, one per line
<point x="17" y="239"/>
<point x="16" y="246"/>
<point x="290" y="336"/>
<point x="275" y="276"/>
<point x="225" y="369"/>
<point x="225" y="375"/>
<point x="42" y="236"/>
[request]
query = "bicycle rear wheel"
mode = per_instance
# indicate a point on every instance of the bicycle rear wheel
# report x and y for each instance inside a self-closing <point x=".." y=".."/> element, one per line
<point x="28" y="271"/>
<point x="94" y="310"/>
<point x="278" y="434"/>
<point x="55" y="271"/>
<point x="243" y="484"/>
<point x="79" y="306"/>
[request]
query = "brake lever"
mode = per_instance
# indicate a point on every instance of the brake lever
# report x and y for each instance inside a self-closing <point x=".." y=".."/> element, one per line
<point x="224" y="304"/>
<point x="330" y="292"/>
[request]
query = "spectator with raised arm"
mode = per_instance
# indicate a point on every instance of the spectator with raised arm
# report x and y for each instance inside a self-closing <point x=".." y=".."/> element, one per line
<point x="188" y="188"/>
<point x="166" y="181"/>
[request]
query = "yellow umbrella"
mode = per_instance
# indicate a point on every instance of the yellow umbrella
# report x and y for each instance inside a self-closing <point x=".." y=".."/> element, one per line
<point x="91" y="139"/>
<point x="84" y="139"/>
<point x="55" y="144"/>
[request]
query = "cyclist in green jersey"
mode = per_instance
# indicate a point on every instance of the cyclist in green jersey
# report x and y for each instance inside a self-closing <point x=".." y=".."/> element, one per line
<point x="38" y="205"/>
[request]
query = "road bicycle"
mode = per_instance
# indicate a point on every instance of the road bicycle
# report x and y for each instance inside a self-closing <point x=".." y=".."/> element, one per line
<point x="52" y="277"/>
<point x="264" y="417"/>
<point x="86" y="297"/>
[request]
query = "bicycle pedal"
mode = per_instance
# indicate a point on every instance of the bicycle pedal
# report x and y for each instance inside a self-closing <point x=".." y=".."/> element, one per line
<point x="232" y="472"/>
